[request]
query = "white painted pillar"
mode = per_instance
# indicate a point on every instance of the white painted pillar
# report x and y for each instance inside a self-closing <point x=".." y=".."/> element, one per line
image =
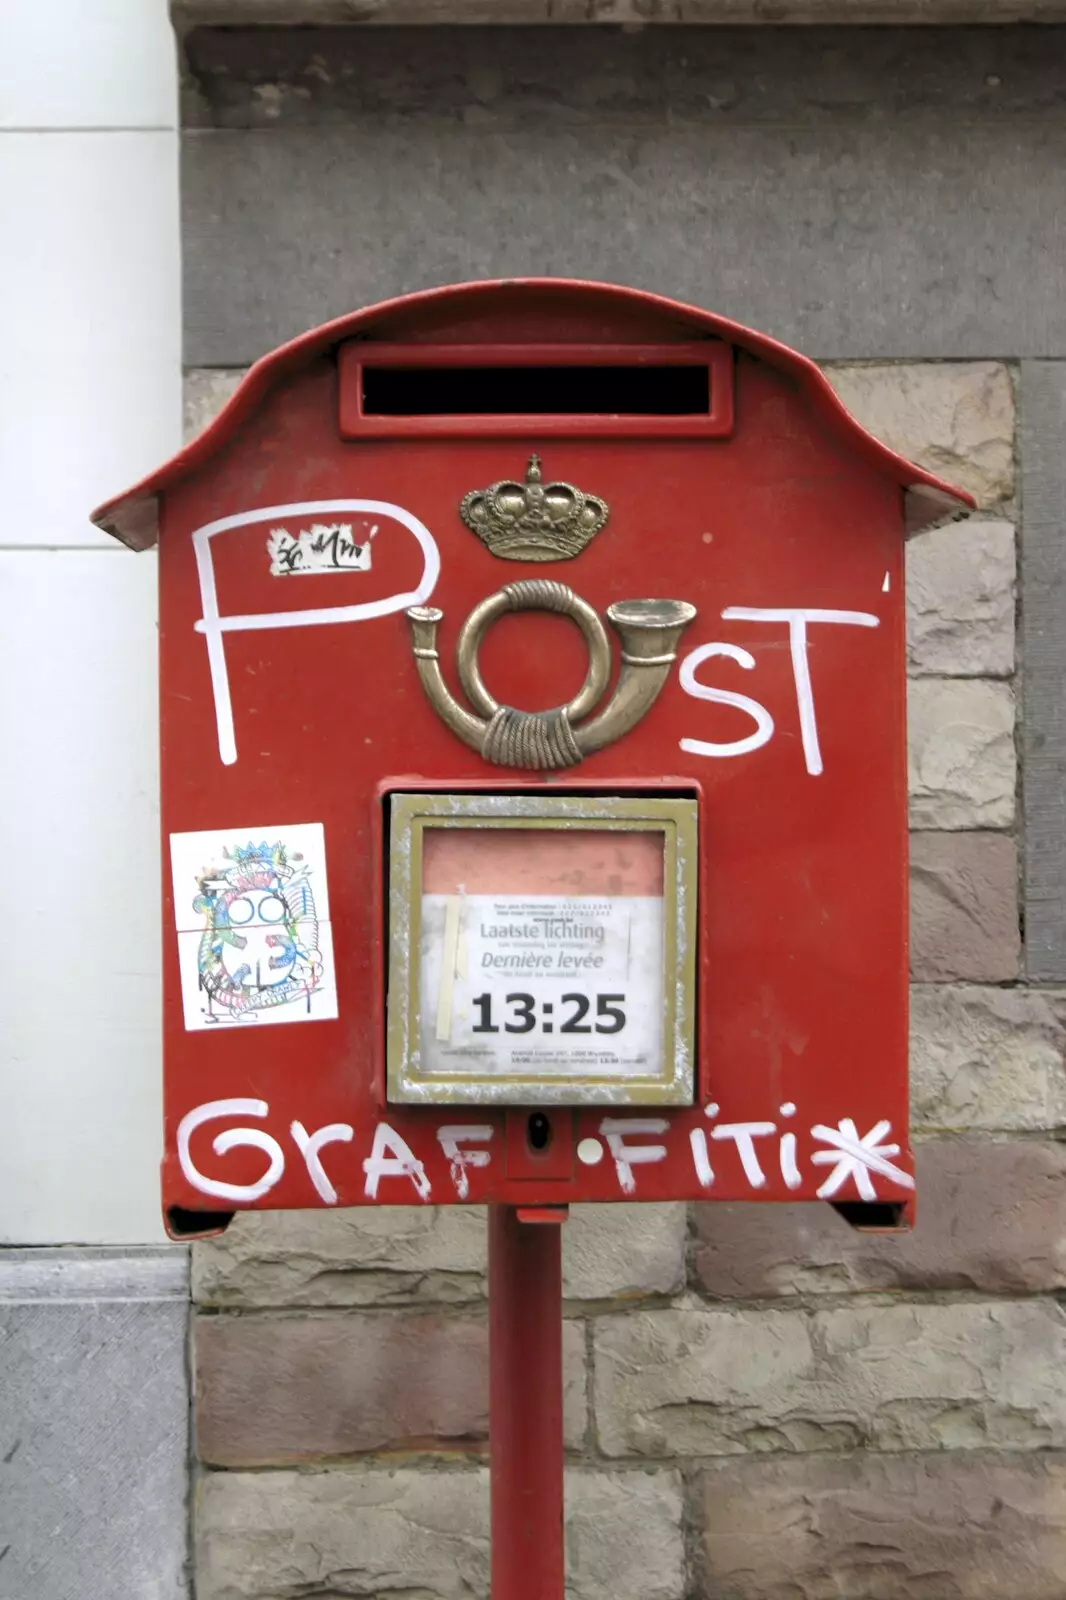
<point x="90" y="398"/>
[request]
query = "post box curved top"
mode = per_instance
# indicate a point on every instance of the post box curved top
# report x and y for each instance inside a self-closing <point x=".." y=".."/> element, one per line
<point x="525" y="311"/>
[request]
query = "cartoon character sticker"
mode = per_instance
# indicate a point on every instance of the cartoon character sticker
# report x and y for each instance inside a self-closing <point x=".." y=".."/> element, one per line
<point x="254" y="938"/>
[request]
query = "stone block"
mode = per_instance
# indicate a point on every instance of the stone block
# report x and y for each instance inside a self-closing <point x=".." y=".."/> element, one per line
<point x="959" y="1376"/>
<point x="205" y="392"/>
<point x="963" y="1527"/>
<point x="624" y="1538"/>
<point x="321" y="218"/>
<point x="376" y="1533"/>
<point x="987" y="1058"/>
<point x="249" y="77"/>
<point x="990" y="1219"/>
<point x="964" y="907"/>
<point x="962" y="764"/>
<point x="960" y="600"/>
<point x="956" y="418"/>
<point x="402" y="1255"/>
<point x="624" y="1251"/>
<point x="1043" y="584"/>
<point x="279" y="1390"/>
<point x="285" y="1535"/>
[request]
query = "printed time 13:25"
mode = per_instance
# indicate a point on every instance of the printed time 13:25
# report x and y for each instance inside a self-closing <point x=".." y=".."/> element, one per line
<point x="609" y="1016"/>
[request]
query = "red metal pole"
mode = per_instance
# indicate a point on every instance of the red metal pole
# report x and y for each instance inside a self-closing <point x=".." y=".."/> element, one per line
<point x="526" y="1406"/>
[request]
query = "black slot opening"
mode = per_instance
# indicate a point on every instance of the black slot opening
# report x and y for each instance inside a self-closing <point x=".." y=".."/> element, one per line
<point x="539" y="1131"/>
<point x="873" y="1216"/>
<point x="536" y="391"/>
<point x="185" y="1224"/>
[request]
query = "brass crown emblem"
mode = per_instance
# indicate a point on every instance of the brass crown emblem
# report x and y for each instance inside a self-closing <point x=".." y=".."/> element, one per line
<point x="533" y="521"/>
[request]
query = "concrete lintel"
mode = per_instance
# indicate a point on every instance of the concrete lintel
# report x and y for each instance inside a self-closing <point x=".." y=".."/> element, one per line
<point x="80" y="1274"/>
<point x="94" y="1442"/>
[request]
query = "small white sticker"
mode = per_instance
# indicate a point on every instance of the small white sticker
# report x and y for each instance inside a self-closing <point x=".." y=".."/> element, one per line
<point x="254" y="939"/>
<point x="321" y="547"/>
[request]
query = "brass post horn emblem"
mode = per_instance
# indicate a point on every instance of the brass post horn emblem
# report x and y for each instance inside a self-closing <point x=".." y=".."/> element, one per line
<point x="648" y="630"/>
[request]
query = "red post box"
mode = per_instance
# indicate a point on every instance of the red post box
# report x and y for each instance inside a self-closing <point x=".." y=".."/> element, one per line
<point x="534" y="794"/>
<point x="533" y="766"/>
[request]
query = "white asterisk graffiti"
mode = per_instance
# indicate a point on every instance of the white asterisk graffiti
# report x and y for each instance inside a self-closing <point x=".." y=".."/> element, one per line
<point x="855" y="1157"/>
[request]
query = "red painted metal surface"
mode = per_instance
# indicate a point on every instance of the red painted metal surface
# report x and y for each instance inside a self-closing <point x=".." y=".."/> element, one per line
<point x="526" y="1406"/>
<point x="786" y="718"/>
<point x="528" y="311"/>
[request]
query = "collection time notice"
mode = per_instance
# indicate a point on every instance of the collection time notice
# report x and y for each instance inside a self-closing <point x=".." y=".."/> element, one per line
<point x="542" y="984"/>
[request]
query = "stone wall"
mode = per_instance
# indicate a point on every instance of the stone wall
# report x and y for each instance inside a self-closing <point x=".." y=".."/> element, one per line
<point x="759" y="1402"/>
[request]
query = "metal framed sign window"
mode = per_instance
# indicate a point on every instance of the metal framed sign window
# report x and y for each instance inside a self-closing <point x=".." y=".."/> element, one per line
<point x="541" y="950"/>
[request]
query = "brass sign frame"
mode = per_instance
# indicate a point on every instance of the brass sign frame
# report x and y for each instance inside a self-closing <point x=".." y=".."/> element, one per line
<point x="410" y="816"/>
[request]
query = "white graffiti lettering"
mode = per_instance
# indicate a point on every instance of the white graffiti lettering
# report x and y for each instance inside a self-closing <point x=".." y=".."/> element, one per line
<point x="214" y="625"/>
<point x="798" y="619"/>
<point x="231" y="1139"/>
<point x="309" y="1144"/>
<point x="764" y="722"/>
<point x="744" y="1135"/>
<point x="701" y="1160"/>
<point x="854" y="1157"/>
<point x="392" y="1157"/>
<point x="627" y="1156"/>
<point x="633" y="1142"/>
<point x="452" y="1139"/>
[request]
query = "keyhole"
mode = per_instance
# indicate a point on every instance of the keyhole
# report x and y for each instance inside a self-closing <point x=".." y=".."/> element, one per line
<point x="539" y="1131"/>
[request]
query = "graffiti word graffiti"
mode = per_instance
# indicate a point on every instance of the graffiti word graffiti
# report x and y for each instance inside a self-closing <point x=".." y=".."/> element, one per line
<point x="631" y="1143"/>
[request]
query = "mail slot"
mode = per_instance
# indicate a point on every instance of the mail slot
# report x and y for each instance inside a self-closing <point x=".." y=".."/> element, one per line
<point x="534" y="767"/>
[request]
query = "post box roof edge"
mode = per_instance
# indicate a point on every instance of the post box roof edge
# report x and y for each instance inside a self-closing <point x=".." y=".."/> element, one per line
<point x="132" y="517"/>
